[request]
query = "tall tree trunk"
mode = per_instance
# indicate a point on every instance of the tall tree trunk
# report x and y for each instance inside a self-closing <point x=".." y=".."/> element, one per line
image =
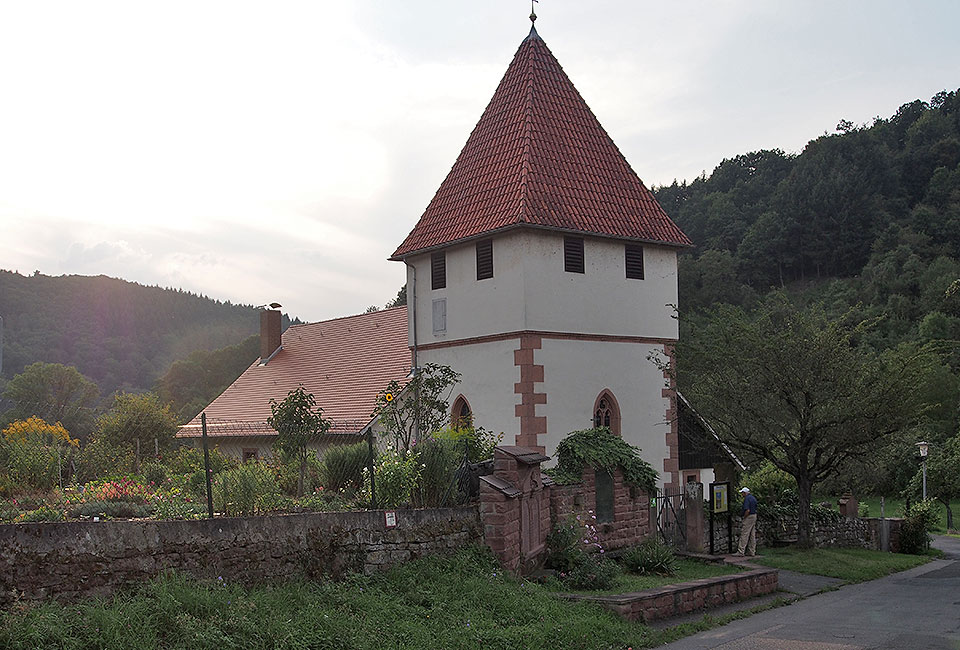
<point x="804" y="532"/>
<point x="949" y="515"/>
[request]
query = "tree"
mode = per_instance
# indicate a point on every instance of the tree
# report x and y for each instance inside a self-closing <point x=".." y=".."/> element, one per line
<point x="799" y="389"/>
<point x="407" y="411"/>
<point x="136" y="422"/>
<point x="298" y="421"/>
<point x="400" y="300"/>
<point x="943" y="475"/>
<point x="55" y="393"/>
<point x="34" y="453"/>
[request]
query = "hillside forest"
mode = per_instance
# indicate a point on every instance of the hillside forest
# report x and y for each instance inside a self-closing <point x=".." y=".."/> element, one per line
<point x="863" y="224"/>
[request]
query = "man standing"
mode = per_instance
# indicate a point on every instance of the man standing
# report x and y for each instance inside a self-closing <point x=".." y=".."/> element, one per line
<point x="748" y="531"/>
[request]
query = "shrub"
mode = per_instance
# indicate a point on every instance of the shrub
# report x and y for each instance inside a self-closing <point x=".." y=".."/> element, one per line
<point x="341" y="467"/>
<point x="863" y="510"/>
<point x="99" y="458"/>
<point x="154" y="472"/>
<point x="189" y="460"/>
<point x="918" y="520"/>
<point x="397" y="478"/>
<point x="35" y="453"/>
<point x="650" y="557"/>
<point x="593" y="572"/>
<point x="601" y="449"/>
<point x="564" y="550"/>
<point x="123" y="488"/>
<point x="325" y="501"/>
<point x="286" y="469"/>
<point x="439" y="460"/>
<point x="476" y="441"/>
<point x="245" y="490"/>
<point x="175" y="504"/>
<point x="43" y="513"/>
<point x="113" y="509"/>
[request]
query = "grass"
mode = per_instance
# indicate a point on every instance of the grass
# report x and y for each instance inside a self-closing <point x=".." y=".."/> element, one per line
<point x="463" y="601"/>
<point x="893" y="507"/>
<point x="687" y="569"/>
<point x="849" y="564"/>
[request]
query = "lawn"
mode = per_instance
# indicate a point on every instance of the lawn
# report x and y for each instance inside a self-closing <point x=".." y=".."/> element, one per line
<point x="464" y="601"/>
<point x="893" y="507"/>
<point x="687" y="569"/>
<point x="850" y="564"/>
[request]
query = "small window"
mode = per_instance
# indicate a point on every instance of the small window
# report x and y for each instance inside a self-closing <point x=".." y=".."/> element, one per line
<point x="250" y="453"/>
<point x="485" y="259"/>
<point x="461" y="415"/>
<point x="440" y="315"/>
<point x="634" y="262"/>
<point x="573" y="254"/>
<point x="438" y="270"/>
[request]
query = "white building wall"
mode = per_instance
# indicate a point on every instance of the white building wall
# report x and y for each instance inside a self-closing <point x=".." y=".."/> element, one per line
<point x="576" y="372"/>
<point x="601" y="300"/>
<point x="489" y="375"/>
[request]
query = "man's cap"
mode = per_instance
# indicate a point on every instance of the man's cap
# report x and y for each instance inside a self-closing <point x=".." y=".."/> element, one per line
<point x="744" y="489"/>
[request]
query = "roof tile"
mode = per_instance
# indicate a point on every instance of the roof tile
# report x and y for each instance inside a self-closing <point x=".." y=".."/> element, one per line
<point x="539" y="157"/>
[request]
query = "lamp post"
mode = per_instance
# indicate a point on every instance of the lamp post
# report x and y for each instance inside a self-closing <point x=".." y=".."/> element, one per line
<point x="924" y="447"/>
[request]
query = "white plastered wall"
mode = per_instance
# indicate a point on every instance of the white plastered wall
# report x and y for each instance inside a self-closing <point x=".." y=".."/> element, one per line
<point x="575" y="373"/>
<point x="488" y="378"/>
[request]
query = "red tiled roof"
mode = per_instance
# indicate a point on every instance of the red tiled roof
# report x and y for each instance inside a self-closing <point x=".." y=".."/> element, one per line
<point x="344" y="362"/>
<point x="538" y="157"/>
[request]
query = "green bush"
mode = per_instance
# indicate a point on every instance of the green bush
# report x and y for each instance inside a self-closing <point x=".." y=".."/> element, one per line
<point x="189" y="460"/>
<point x="286" y="469"/>
<point x="601" y="449"/>
<point x="439" y="460"/>
<point x="397" y="479"/>
<point x="113" y="509"/>
<point x="44" y="513"/>
<point x="650" y="557"/>
<point x="99" y="458"/>
<point x="477" y="442"/>
<point x="326" y="501"/>
<point x="341" y="467"/>
<point x="917" y="523"/>
<point x="564" y="550"/>
<point x="593" y="573"/>
<point x="154" y="472"/>
<point x="245" y="490"/>
<point x="31" y="464"/>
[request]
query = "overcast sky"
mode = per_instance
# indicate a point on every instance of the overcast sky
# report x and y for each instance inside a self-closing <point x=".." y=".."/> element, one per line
<point x="281" y="151"/>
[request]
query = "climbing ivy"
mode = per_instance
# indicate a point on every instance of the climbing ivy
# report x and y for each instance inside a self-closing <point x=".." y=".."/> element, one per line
<point x="601" y="449"/>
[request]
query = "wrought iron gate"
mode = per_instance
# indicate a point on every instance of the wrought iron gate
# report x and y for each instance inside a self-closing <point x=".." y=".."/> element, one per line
<point x="671" y="512"/>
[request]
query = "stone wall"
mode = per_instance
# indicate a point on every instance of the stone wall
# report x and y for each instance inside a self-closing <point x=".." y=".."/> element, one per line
<point x="673" y="600"/>
<point x="844" y="532"/>
<point x="73" y="559"/>
<point x="631" y="509"/>
<point x="519" y="506"/>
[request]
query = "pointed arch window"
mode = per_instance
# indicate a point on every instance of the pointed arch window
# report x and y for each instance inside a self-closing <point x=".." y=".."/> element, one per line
<point x="461" y="415"/>
<point x="606" y="412"/>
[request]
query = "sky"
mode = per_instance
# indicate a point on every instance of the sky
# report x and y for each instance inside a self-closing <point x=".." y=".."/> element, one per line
<point x="280" y="152"/>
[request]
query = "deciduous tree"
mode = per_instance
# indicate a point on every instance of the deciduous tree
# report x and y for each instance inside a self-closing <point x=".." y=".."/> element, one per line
<point x="799" y="389"/>
<point x="298" y="421"/>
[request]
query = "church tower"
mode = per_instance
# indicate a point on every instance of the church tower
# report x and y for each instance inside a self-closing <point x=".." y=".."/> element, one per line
<point x="545" y="272"/>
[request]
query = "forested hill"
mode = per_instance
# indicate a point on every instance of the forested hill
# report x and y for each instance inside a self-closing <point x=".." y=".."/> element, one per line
<point x="868" y="214"/>
<point x="119" y="334"/>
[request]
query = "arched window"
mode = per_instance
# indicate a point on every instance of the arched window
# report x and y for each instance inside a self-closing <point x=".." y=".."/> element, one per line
<point x="461" y="415"/>
<point x="606" y="412"/>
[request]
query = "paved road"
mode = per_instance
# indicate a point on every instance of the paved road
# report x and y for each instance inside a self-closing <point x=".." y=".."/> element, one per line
<point x="913" y="610"/>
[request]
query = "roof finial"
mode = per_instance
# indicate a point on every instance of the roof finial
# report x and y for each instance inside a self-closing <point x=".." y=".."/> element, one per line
<point x="533" y="13"/>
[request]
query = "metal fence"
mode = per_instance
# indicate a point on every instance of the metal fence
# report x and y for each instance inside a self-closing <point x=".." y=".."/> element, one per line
<point x="226" y="468"/>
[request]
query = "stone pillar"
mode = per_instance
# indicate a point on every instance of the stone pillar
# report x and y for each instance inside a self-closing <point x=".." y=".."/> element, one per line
<point x="695" y="516"/>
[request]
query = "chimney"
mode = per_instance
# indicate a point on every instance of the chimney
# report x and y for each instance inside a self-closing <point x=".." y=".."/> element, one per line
<point x="269" y="333"/>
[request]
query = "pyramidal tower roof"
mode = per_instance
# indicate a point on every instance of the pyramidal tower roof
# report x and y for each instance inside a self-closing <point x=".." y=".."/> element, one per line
<point x="538" y="158"/>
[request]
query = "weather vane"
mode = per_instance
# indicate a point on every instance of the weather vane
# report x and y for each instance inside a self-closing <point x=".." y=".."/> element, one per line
<point x="533" y="13"/>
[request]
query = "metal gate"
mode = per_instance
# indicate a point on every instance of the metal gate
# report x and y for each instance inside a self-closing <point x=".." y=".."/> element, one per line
<point x="671" y="511"/>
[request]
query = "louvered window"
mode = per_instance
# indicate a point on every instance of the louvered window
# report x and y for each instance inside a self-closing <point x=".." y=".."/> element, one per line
<point x="485" y="259"/>
<point x="438" y="270"/>
<point x="634" y="262"/>
<point x="573" y="254"/>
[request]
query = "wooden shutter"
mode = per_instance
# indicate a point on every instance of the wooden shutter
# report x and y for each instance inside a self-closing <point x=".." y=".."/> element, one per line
<point x="634" y="262"/>
<point x="485" y="259"/>
<point x="573" y="254"/>
<point x="438" y="271"/>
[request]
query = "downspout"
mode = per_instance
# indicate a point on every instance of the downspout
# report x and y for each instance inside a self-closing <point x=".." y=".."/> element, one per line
<point x="412" y="307"/>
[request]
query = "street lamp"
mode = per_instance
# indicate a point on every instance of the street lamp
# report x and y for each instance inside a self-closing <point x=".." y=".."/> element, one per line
<point x="924" y="447"/>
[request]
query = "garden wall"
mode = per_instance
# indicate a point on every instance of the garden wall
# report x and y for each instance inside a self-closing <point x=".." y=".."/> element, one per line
<point x="674" y="600"/>
<point x="94" y="558"/>
<point x="844" y="532"/>
<point x="519" y="506"/>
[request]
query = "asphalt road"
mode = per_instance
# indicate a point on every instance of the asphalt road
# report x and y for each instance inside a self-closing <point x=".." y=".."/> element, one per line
<point x="917" y="609"/>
